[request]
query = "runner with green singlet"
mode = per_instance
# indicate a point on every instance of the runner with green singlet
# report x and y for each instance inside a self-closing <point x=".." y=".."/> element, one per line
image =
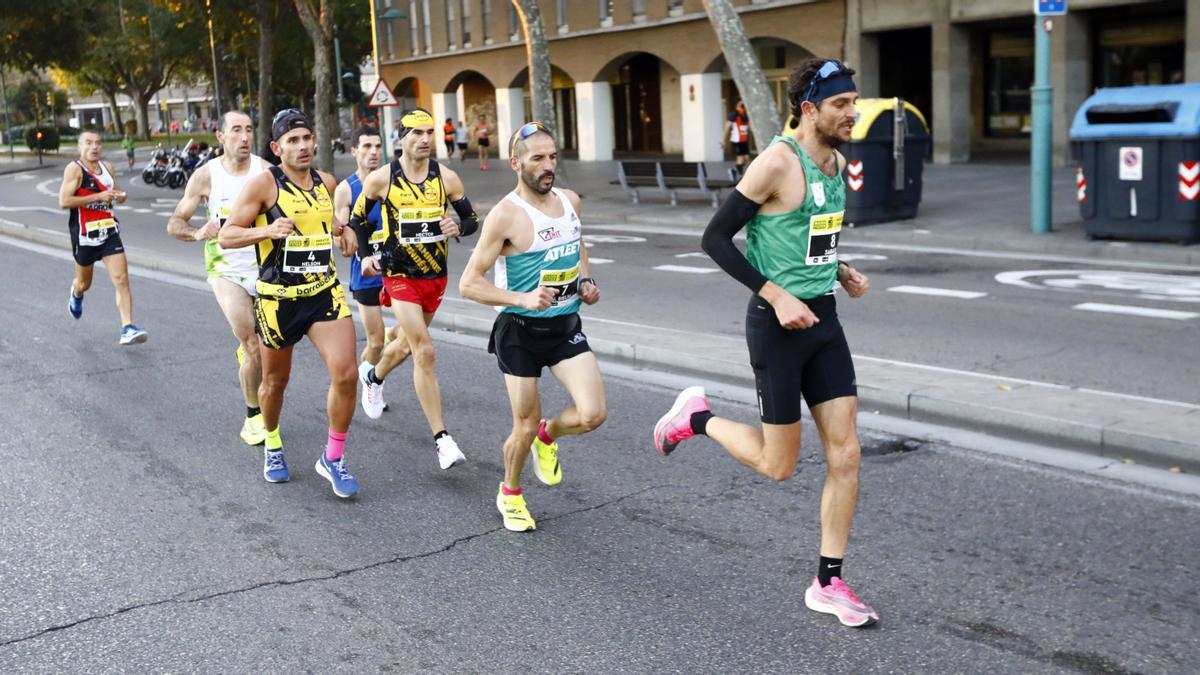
<point x="792" y="201"/>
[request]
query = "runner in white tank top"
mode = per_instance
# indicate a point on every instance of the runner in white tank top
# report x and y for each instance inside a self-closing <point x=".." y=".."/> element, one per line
<point x="231" y="272"/>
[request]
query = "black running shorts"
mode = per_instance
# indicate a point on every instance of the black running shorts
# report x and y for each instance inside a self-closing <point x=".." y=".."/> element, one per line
<point x="740" y="149"/>
<point x="86" y="256"/>
<point x="524" y="345"/>
<point x="368" y="297"/>
<point x="282" y="322"/>
<point x="813" y="363"/>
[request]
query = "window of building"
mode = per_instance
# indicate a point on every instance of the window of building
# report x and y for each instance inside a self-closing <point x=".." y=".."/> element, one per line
<point x="486" y="12"/>
<point x="413" y="26"/>
<point x="466" y="23"/>
<point x="450" y="24"/>
<point x="1008" y="74"/>
<point x="427" y="26"/>
<point x="514" y="23"/>
<point x="560" y="15"/>
<point x="639" y="10"/>
<point x="606" y="13"/>
<point x="674" y="7"/>
<point x="1140" y="51"/>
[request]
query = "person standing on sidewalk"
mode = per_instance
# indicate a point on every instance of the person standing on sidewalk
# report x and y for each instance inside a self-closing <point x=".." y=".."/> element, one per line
<point x="793" y="200"/>
<point x="533" y="238"/>
<point x="231" y="272"/>
<point x="88" y="190"/>
<point x="737" y="134"/>
<point x="414" y="192"/>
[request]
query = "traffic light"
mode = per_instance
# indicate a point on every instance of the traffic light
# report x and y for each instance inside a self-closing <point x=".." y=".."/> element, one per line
<point x="50" y="99"/>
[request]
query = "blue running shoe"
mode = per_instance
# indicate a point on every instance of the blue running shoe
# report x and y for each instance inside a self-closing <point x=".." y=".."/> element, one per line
<point x="274" y="468"/>
<point x="132" y="335"/>
<point x="75" y="304"/>
<point x="343" y="483"/>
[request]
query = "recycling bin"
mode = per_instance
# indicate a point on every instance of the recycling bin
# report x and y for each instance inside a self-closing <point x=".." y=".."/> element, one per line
<point x="1137" y="153"/>
<point x="884" y="161"/>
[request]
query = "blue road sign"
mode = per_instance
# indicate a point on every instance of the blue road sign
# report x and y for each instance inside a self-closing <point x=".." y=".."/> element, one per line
<point x="1049" y="7"/>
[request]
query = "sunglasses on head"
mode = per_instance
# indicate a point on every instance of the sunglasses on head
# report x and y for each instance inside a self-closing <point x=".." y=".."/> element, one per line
<point x="828" y="69"/>
<point x="524" y="132"/>
<point x="285" y="112"/>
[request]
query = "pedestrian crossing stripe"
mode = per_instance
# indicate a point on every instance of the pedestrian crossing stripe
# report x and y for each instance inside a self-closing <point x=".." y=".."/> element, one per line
<point x="382" y="97"/>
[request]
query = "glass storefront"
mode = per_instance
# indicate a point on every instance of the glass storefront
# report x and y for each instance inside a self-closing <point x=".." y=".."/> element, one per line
<point x="1008" y="77"/>
<point x="1140" y="51"/>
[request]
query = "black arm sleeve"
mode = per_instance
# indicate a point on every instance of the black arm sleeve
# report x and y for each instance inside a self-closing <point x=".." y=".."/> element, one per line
<point x="360" y="224"/>
<point x="718" y="240"/>
<point x="468" y="221"/>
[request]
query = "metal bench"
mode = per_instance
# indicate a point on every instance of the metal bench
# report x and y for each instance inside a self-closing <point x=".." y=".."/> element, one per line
<point x="634" y="175"/>
<point x="677" y="176"/>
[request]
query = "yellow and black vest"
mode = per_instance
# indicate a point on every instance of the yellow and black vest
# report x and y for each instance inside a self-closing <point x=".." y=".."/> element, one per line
<point x="302" y="264"/>
<point x="415" y="246"/>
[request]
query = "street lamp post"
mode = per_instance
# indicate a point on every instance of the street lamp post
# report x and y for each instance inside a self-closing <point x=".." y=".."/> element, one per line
<point x="7" y="128"/>
<point x="388" y="15"/>
<point x="212" y="46"/>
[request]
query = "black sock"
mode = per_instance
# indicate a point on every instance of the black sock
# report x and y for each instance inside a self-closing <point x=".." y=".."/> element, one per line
<point x="828" y="569"/>
<point x="441" y="433"/>
<point x="700" y="421"/>
<point x="251" y="411"/>
<point x="372" y="378"/>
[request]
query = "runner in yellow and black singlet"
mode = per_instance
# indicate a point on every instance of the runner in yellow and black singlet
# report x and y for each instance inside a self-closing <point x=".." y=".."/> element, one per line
<point x="287" y="214"/>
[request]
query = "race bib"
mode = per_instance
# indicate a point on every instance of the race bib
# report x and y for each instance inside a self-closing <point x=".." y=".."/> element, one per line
<point x="566" y="281"/>
<point x="823" y="233"/>
<point x="223" y="214"/>
<point x="422" y="232"/>
<point x="97" y="221"/>
<point x="376" y="240"/>
<point x="307" y="255"/>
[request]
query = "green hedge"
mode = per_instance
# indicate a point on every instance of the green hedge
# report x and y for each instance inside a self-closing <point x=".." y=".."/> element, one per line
<point x="49" y="142"/>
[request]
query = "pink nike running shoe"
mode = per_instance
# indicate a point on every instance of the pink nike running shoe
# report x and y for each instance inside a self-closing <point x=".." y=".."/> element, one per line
<point x="837" y="599"/>
<point x="676" y="425"/>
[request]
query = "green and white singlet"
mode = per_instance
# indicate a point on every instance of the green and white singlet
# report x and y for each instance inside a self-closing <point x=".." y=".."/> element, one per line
<point x="239" y="265"/>
<point x="798" y="250"/>
<point x="551" y="260"/>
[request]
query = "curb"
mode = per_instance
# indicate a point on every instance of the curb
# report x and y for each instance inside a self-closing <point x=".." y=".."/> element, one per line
<point x="1128" y="429"/>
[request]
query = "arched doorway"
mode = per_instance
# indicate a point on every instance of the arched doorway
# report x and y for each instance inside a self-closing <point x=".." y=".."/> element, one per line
<point x="475" y="98"/>
<point x="564" y="104"/>
<point x="409" y="92"/>
<point x="638" y="80"/>
<point x="777" y="57"/>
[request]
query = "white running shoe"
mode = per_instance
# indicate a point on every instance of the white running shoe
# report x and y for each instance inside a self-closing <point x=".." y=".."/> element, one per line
<point x="372" y="394"/>
<point x="448" y="453"/>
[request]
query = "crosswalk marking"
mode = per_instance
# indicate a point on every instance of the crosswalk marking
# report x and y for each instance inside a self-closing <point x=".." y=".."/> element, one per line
<point x="686" y="269"/>
<point x="599" y="261"/>
<point x="940" y="292"/>
<point x="1137" y="311"/>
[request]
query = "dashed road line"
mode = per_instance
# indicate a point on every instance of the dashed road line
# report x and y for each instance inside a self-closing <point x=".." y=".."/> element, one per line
<point x="685" y="269"/>
<point x="939" y="292"/>
<point x="1130" y="310"/>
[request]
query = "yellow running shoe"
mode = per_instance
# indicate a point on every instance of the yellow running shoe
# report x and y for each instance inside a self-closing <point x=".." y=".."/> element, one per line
<point x="254" y="432"/>
<point x="545" y="459"/>
<point x="516" y="516"/>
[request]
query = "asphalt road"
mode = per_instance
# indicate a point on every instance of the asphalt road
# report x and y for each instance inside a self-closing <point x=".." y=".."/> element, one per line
<point x="1042" y="318"/>
<point x="138" y="534"/>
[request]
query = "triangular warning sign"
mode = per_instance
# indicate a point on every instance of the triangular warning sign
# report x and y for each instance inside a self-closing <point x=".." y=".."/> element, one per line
<point x="382" y="97"/>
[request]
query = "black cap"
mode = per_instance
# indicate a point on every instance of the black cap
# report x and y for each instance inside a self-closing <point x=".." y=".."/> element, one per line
<point x="286" y="120"/>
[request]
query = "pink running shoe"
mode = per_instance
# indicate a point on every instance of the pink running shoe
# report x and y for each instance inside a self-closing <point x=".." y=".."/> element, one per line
<point x="676" y="425"/>
<point x="839" y="600"/>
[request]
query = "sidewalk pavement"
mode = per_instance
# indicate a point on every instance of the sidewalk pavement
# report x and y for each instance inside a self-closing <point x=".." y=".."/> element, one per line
<point x="981" y="206"/>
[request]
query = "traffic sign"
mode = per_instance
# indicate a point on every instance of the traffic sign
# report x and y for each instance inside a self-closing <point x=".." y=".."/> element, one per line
<point x="382" y="97"/>
<point x="1049" y="7"/>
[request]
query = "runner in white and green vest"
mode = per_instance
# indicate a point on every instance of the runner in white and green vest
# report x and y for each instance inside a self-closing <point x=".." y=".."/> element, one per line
<point x="792" y="200"/>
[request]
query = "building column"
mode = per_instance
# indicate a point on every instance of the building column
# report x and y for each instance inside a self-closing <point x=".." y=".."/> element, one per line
<point x="701" y="121"/>
<point x="594" y="121"/>
<point x="444" y="105"/>
<point x="1070" y="75"/>
<point x="861" y="52"/>
<point x="460" y="97"/>
<point x="1191" y="42"/>
<point x="951" y="92"/>
<point x="510" y="111"/>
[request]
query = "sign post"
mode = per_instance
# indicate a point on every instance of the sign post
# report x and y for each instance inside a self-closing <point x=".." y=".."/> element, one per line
<point x="1042" y="95"/>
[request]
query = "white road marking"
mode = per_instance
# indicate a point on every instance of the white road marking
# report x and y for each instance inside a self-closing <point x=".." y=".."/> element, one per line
<point x="23" y="177"/>
<point x="44" y="187"/>
<point x="159" y="201"/>
<point x="693" y="254"/>
<point x="166" y="214"/>
<point x="686" y="269"/>
<point x="1139" y="285"/>
<point x="61" y="254"/>
<point x="915" y="248"/>
<point x="940" y="292"/>
<point x="45" y="209"/>
<point x="1137" y="311"/>
<point x="612" y="239"/>
<point x="141" y="210"/>
<point x="599" y="261"/>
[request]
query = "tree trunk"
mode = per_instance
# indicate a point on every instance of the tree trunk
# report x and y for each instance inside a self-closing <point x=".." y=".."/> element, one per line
<point x="747" y="75"/>
<point x="320" y="29"/>
<point x="537" y="53"/>
<point x="266" y="69"/>
<point x="143" y="117"/>
<point x="111" y="95"/>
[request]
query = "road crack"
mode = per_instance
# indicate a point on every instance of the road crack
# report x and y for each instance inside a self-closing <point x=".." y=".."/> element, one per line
<point x="318" y="578"/>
